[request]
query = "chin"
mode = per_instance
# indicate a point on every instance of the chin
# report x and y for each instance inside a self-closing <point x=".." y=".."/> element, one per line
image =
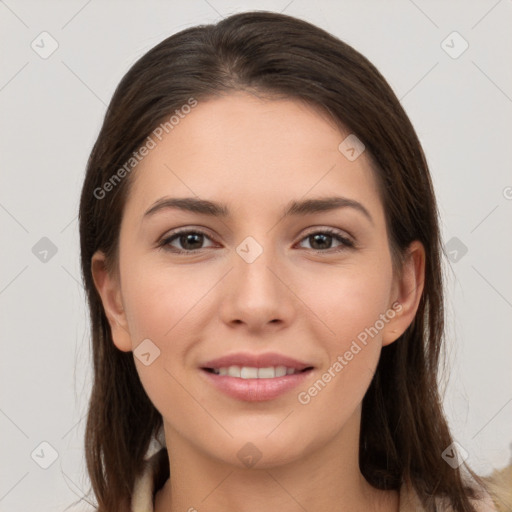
<point x="253" y="450"/>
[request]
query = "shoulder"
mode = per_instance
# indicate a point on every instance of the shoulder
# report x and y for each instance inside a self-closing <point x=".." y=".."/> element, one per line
<point x="410" y="501"/>
<point x="144" y="487"/>
<point x="485" y="504"/>
<point x="142" y="495"/>
<point x="499" y="485"/>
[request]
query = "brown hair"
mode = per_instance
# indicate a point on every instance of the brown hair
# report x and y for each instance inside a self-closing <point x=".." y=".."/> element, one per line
<point x="403" y="428"/>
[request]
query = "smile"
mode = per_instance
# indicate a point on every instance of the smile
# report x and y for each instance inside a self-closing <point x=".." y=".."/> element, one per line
<point x="255" y="377"/>
<point x="251" y="372"/>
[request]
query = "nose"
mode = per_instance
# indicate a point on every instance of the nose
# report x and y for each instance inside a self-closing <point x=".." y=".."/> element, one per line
<point x="257" y="293"/>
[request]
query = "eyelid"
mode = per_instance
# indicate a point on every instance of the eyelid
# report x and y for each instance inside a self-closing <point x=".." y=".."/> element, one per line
<point x="347" y="240"/>
<point x="333" y="231"/>
<point x="164" y="241"/>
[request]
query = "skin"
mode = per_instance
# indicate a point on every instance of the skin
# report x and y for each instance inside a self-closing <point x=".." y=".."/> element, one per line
<point x="256" y="156"/>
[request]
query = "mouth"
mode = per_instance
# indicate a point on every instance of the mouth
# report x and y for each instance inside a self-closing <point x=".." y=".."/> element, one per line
<point x="253" y="372"/>
<point x="253" y="378"/>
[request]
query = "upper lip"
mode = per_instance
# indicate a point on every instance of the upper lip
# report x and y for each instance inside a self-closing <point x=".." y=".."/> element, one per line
<point x="256" y="361"/>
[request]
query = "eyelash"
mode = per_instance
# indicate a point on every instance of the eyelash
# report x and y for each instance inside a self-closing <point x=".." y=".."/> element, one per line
<point x="346" y="242"/>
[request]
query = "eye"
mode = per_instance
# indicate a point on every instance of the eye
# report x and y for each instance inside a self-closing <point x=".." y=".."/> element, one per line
<point x="190" y="241"/>
<point x="321" y="241"/>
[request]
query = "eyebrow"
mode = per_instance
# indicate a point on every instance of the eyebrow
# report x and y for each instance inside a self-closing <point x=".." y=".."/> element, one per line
<point x="294" y="208"/>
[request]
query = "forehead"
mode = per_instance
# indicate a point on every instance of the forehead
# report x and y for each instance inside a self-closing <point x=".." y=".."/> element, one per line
<point x="253" y="153"/>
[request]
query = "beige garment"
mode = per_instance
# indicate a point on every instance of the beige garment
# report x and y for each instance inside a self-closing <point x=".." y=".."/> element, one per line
<point x="143" y="495"/>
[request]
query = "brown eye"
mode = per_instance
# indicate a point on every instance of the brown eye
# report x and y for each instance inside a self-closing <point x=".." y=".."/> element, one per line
<point x="322" y="240"/>
<point x="188" y="241"/>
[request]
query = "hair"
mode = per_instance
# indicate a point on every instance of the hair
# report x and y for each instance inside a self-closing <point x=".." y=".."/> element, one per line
<point x="403" y="427"/>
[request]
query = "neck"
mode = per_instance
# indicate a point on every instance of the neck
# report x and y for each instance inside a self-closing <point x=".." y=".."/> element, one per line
<point x="326" y="479"/>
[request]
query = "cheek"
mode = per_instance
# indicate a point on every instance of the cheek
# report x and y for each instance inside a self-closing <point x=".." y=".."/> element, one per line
<point x="161" y="305"/>
<point x="351" y="304"/>
<point x="159" y="301"/>
<point x="167" y="306"/>
<point x="352" y="311"/>
<point x="348" y="300"/>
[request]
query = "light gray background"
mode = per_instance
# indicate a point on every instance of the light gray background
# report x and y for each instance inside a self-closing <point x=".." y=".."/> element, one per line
<point x="51" y="112"/>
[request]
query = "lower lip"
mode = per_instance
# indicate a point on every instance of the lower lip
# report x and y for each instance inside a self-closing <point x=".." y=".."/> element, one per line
<point x="255" y="390"/>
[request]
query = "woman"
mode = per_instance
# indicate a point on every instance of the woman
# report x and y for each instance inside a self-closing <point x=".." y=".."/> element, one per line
<point x="261" y="252"/>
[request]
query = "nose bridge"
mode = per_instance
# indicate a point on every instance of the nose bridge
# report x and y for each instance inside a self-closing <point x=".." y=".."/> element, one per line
<point x="253" y="264"/>
<point x="256" y="293"/>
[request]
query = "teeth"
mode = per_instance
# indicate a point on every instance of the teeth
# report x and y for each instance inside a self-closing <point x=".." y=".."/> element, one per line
<point x="234" y="371"/>
<point x="281" y="371"/>
<point x="249" y="372"/>
<point x="266" y="373"/>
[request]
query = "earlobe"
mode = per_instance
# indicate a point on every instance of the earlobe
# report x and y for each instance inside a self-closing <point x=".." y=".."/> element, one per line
<point x="407" y="292"/>
<point x="109" y="290"/>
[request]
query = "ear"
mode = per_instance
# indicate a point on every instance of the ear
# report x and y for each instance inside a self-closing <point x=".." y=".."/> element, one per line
<point x="109" y="289"/>
<point x="407" y="291"/>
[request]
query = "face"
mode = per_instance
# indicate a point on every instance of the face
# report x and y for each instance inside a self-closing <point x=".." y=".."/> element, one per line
<point x="274" y="279"/>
